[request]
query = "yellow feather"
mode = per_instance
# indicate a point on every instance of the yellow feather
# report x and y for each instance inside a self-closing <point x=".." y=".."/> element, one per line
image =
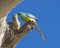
<point x="27" y="19"/>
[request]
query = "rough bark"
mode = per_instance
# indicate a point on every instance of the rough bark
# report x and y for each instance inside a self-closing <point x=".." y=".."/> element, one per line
<point x="6" y="6"/>
<point x="10" y="38"/>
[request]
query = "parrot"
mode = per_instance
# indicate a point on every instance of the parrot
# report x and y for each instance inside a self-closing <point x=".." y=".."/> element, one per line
<point x="27" y="17"/>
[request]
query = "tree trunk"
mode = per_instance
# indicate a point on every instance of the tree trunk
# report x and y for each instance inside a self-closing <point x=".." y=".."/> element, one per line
<point x="8" y="39"/>
<point x="17" y="35"/>
<point x="6" y="6"/>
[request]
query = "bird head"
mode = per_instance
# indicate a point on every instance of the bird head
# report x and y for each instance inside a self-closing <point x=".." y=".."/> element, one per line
<point x="21" y="14"/>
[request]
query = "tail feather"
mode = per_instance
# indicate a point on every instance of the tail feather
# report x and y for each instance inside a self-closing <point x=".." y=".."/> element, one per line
<point x="38" y="29"/>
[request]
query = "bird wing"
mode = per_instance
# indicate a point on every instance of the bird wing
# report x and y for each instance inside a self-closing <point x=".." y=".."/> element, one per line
<point x="38" y="29"/>
<point x="31" y="16"/>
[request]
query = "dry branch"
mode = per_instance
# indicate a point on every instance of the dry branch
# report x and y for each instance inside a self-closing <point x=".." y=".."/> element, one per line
<point x="17" y="35"/>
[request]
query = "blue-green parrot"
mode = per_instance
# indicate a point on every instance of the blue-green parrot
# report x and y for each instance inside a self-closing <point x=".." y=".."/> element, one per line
<point x="26" y="17"/>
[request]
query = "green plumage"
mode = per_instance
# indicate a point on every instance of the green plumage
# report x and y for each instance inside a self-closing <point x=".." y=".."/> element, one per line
<point x="23" y="16"/>
<point x="29" y="17"/>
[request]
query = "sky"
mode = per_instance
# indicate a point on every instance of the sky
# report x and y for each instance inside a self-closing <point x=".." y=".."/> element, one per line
<point x="48" y="22"/>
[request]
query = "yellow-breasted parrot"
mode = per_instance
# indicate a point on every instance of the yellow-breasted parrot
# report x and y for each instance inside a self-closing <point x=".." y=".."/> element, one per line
<point x="26" y="17"/>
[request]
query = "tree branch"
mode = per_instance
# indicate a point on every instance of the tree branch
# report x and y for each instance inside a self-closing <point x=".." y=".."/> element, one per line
<point x="16" y="35"/>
